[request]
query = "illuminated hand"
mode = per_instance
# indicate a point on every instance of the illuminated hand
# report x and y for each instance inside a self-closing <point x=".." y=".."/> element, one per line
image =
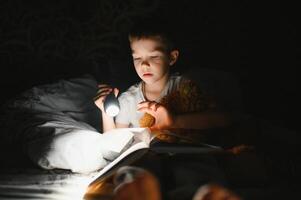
<point x="102" y="92"/>
<point x="163" y="118"/>
<point x="214" y="192"/>
<point x="132" y="183"/>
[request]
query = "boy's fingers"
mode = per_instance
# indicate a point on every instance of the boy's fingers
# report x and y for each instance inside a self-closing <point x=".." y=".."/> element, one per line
<point x="102" y="90"/>
<point x="147" y="110"/>
<point x="103" y="86"/>
<point x="143" y="109"/>
<point x="102" y="94"/>
<point x="148" y="104"/>
<point x="154" y="106"/>
<point x="98" y="97"/>
<point x="140" y="105"/>
<point x="116" y="92"/>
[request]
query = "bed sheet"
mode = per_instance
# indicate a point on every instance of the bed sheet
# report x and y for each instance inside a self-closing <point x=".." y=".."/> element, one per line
<point x="36" y="183"/>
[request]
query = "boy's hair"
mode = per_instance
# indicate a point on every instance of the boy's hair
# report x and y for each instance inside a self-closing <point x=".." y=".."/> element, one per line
<point x="153" y="28"/>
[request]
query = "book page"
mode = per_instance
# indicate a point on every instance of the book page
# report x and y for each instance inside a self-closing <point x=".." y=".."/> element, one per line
<point x="142" y="135"/>
<point x="114" y="141"/>
<point x="140" y="139"/>
<point x="136" y="146"/>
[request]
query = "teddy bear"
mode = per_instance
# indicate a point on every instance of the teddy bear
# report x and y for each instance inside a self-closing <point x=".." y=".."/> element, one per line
<point x="185" y="99"/>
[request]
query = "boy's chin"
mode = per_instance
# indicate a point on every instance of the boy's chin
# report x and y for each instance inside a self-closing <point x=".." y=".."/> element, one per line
<point x="148" y="80"/>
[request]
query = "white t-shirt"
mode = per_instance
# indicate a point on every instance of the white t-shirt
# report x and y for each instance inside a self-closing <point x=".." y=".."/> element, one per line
<point x="129" y="100"/>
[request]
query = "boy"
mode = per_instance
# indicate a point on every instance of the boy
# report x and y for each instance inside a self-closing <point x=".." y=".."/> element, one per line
<point x="163" y="100"/>
<point x="154" y="53"/>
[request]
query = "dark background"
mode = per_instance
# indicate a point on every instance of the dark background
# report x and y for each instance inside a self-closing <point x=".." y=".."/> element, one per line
<point x="43" y="41"/>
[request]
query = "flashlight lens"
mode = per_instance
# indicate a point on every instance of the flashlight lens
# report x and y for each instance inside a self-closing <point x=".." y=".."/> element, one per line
<point x="111" y="105"/>
<point x="112" y="110"/>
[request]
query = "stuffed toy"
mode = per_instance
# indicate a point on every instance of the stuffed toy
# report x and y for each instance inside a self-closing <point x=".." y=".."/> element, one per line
<point x="185" y="99"/>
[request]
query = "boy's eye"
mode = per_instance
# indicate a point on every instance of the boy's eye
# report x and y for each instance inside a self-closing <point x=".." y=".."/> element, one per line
<point x="137" y="58"/>
<point x="154" y="57"/>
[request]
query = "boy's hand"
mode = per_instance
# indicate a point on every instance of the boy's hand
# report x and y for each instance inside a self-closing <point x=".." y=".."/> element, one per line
<point x="103" y="91"/>
<point x="163" y="118"/>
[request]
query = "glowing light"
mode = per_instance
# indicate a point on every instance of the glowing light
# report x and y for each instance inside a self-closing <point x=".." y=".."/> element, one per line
<point x="112" y="110"/>
<point x="111" y="105"/>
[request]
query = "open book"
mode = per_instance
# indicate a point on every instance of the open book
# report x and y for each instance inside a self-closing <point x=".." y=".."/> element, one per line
<point x="123" y="142"/>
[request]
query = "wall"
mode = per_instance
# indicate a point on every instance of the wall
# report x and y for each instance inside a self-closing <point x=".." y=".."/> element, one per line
<point x="42" y="41"/>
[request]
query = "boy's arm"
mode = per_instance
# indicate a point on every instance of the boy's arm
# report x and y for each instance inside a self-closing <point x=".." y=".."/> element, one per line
<point x="197" y="120"/>
<point x="118" y="125"/>
<point x="201" y="120"/>
<point x="108" y="122"/>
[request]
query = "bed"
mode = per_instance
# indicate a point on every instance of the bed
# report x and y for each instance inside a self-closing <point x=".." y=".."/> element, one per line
<point x="49" y="137"/>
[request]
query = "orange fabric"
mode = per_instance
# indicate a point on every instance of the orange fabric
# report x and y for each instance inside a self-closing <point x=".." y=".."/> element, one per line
<point x="144" y="187"/>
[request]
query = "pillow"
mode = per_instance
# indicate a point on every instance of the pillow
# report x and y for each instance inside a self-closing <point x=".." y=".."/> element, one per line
<point x="65" y="144"/>
<point x="55" y="125"/>
<point x="73" y="97"/>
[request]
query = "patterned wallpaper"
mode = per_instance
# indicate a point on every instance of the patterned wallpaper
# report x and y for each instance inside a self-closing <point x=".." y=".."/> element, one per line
<point x="42" y="41"/>
<point x="66" y="29"/>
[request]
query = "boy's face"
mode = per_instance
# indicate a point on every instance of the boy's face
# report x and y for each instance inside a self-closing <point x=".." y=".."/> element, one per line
<point x="151" y="60"/>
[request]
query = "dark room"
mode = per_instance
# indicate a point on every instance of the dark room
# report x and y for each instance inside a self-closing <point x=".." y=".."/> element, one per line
<point x="213" y="86"/>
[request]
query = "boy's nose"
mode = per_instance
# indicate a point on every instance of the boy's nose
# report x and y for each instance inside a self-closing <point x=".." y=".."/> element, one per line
<point x="145" y="64"/>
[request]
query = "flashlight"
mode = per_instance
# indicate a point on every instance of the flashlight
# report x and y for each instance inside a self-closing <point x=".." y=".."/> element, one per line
<point x="111" y="105"/>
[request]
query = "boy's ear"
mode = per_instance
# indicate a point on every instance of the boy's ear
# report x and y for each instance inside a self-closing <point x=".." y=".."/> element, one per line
<point x="173" y="57"/>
